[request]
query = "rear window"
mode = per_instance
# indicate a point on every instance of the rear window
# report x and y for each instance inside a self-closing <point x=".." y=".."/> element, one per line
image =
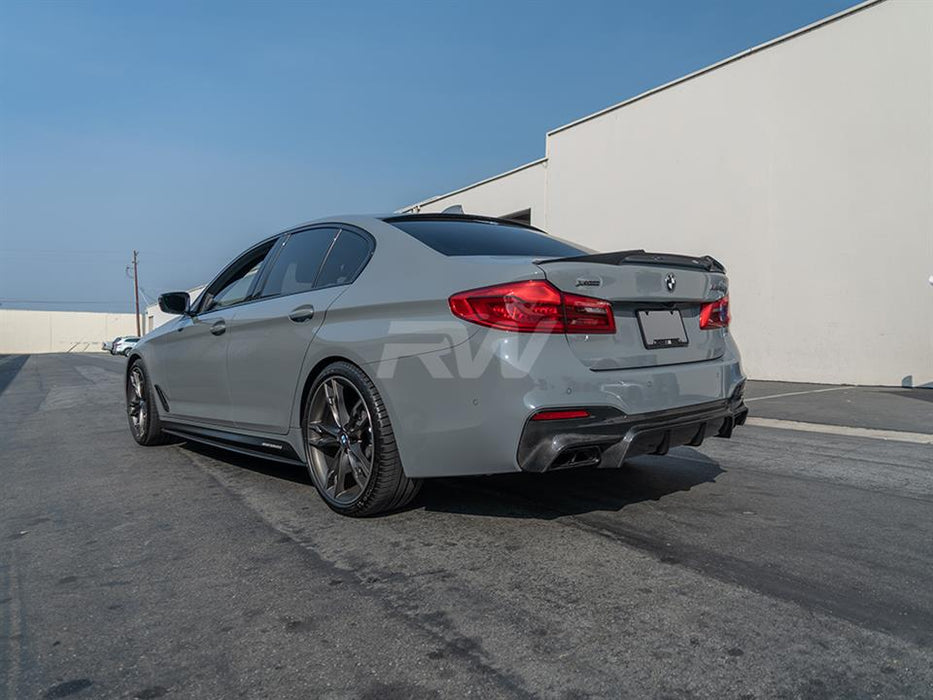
<point x="455" y="237"/>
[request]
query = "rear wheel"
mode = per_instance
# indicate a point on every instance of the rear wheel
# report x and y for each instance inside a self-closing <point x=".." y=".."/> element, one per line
<point x="352" y="455"/>
<point x="141" y="411"/>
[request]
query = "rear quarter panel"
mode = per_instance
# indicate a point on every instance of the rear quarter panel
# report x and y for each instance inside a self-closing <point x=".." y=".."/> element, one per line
<point x="398" y="306"/>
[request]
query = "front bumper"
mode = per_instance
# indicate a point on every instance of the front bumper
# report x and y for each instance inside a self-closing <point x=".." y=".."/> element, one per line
<point x="608" y="437"/>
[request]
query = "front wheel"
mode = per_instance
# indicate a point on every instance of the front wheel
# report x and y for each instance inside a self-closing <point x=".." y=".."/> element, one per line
<point x="141" y="410"/>
<point x="352" y="455"/>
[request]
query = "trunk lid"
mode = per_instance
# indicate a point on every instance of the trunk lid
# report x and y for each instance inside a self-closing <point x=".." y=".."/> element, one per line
<point x="636" y="281"/>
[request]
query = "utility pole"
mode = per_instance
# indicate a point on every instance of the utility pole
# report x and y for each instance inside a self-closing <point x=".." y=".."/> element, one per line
<point x="136" y="290"/>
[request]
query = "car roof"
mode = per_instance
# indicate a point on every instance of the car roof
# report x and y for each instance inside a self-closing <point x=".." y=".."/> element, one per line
<point x="362" y="220"/>
<point x="429" y="216"/>
<point x="380" y="225"/>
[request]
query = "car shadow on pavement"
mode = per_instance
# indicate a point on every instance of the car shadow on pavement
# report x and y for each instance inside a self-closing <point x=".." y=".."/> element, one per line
<point x="544" y="496"/>
<point x="571" y="491"/>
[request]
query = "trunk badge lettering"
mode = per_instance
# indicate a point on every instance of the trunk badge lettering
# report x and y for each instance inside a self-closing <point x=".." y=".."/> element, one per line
<point x="670" y="282"/>
<point x="589" y="282"/>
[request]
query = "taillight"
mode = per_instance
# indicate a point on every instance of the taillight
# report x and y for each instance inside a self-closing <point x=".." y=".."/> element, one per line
<point x="588" y="315"/>
<point x="533" y="306"/>
<point x="715" y="314"/>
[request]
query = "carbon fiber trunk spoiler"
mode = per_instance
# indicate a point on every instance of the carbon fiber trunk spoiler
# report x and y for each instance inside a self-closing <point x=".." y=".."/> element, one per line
<point x="641" y="257"/>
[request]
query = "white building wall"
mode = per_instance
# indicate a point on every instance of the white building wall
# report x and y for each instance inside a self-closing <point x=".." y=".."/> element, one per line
<point x="32" y="332"/>
<point x="514" y="191"/>
<point x="804" y="165"/>
<point x="807" y="169"/>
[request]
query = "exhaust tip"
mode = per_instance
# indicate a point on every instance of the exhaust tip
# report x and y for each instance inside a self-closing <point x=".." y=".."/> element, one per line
<point x="577" y="457"/>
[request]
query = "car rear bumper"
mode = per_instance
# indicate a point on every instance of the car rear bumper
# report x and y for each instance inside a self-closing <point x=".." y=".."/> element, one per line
<point x="608" y="437"/>
<point x="475" y="420"/>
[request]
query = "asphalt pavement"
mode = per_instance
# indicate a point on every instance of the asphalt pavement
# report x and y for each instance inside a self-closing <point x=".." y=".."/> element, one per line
<point x="776" y="564"/>
<point x="876" y="407"/>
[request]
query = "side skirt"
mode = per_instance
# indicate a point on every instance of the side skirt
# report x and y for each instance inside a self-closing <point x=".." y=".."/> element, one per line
<point x="267" y="448"/>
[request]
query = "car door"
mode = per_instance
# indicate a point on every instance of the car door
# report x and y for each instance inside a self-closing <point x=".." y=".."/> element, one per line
<point x="192" y="358"/>
<point x="271" y="335"/>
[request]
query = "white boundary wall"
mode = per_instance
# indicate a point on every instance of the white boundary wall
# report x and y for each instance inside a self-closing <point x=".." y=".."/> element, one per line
<point x="33" y="332"/>
<point x="804" y="165"/>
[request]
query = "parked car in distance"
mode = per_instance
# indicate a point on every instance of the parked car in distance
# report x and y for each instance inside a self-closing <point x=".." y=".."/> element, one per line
<point x="111" y="346"/>
<point x="124" y="345"/>
<point x="107" y="346"/>
<point x="379" y="351"/>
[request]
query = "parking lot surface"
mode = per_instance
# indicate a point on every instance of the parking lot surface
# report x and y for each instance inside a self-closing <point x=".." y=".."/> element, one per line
<point x="876" y="407"/>
<point x="776" y="564"/>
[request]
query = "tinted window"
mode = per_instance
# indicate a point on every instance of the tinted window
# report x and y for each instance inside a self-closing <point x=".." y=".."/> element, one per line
<point x="236" y="290"/>
<point x="456" y="237"/>
<point x="346" y="259"/>
<point x="236" y="283"/>
<point x="298" y="263"/>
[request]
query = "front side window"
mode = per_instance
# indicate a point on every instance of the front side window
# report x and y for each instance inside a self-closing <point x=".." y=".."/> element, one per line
<point x="236" y="283"/>
<point x="236" y="289"/>
<point x="296" y="268"/>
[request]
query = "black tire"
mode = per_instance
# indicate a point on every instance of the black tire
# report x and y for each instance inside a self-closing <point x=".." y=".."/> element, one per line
<point x="386" y="488"/>
<point x="147" y="430"/>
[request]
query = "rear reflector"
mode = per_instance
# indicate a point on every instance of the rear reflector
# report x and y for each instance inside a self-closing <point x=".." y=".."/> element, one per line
<point x="715" y="314"/>
<point x="561" y="415"/>
<point x="533" y="306"/>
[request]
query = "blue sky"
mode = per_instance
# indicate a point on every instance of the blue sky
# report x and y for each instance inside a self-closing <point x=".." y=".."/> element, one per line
<point x="188" y="130"/>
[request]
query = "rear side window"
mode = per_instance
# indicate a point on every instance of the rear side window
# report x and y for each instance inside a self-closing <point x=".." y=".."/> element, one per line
<point x="346" y="259"/>
<point x="296" y="268"/>
<point x="465" y="237"/>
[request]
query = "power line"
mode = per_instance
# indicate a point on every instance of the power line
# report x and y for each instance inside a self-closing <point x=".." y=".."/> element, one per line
<point x="167" y="256"/>
<point x="10" y="251"/>
<point x="6" y="300"/>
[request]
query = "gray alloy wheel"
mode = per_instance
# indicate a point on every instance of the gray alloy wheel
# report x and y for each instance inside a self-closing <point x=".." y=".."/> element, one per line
<point x="141" y="410"/>
<point x="341" y="431"/>
<point x="351" y="449"/>
<point x="137" y="404"/>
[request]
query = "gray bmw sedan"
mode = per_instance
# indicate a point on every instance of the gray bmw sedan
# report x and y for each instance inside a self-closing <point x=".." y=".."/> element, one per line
<point x="379" y="351"/>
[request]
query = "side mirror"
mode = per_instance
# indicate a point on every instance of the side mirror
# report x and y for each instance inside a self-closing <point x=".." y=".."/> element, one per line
<point x="174" y="302"/>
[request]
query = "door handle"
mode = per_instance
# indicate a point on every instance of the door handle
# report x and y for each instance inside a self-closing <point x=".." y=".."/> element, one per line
<point x="302" y="313"/>
<point x="219" y="327"/>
